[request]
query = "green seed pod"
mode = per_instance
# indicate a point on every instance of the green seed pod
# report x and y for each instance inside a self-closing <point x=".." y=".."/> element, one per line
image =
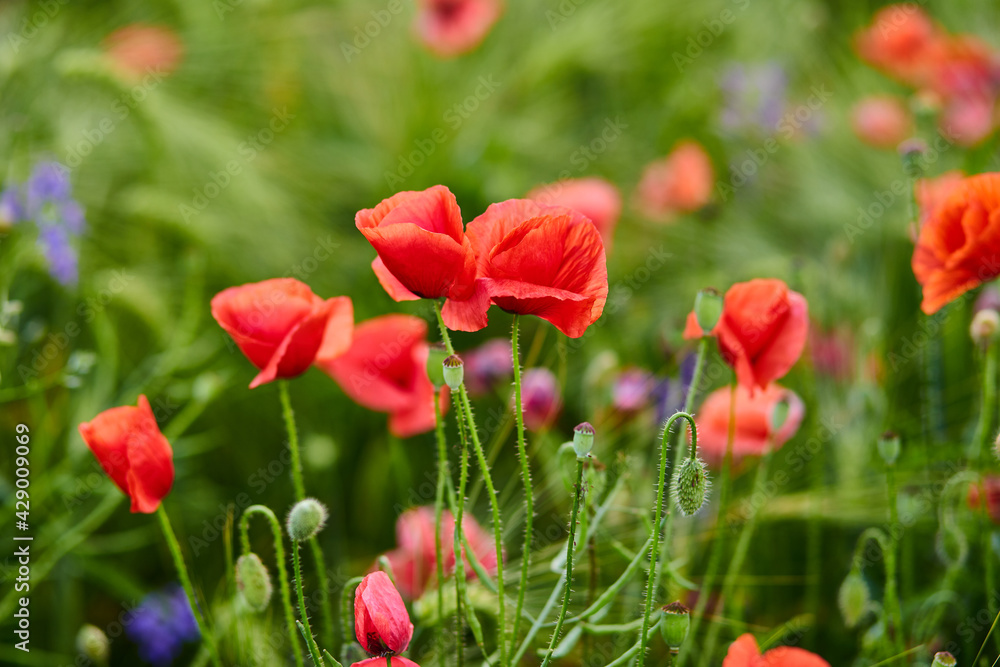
<point x="306" y="519"/>
<point x="674" y="625"/>
<point x="691" y="485"/>
<point x="944" y="659"/>
<point x="93" y="643"/>
<point x="853" y="598"/>
<point x="583" y="439"/>
<point x="435" y="358"/>
<point x="454" y="372"/>
<point x="888" y="447"/>
<point x="708" y="308"/>
<point x="253" y="581"/>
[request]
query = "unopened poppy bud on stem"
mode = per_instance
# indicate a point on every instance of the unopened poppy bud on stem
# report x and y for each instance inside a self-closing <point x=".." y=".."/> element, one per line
<point x="984" y="328"/>
<point x="708" y="308"/>
<point x="583" y="439"/>
<point x="853" y="598"/>
<point x="691" y="485"/>
<point x="674" y="625"/>
<point x="253" y="581"/>
<point x="454" y="372"/>
<point x="888" y="447"/>
<point x="93" y="643"/>
<point x="944" y="659"/>
<point x="306" y="519"/>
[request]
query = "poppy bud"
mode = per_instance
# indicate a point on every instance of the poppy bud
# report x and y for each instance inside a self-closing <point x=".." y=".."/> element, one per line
<point x="583" y="439"/>
<point x="984" y="328"/>
<point x="306" y="519"/>
<point x="691" y="485"/>
<point x="853" y="598"/>
<point x="253" y="581"/>
<point x="435" y="358"/>
<point x="708" y="308"/>
<point x="944" y="659"/>
<point x="93" y="643"/>
<point x="454" y="372"/>
<point x="674" y="625"/>
<point x="888" y="447"/>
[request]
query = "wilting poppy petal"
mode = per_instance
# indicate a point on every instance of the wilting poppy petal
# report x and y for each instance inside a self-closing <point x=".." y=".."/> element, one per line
<point x="753" y="433"/>
<point x="129" y="446"/>
<point x="381" y="622"/>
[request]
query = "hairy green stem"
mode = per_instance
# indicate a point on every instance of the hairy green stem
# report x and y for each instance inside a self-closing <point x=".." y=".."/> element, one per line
<point x="529" y="500"/>
<point x="346" y="614"/>
<point x="442" y="453"/>
<point x="310" y="639"/>
<point x="182" y="574"/>
<point x="279" y="557"/>
<point x="459" y="512"/>
<point x="891" y="585"/>
<point x="570" y="545"/>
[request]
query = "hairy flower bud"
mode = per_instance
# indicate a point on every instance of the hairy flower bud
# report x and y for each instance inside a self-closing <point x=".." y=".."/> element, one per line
<point x="583" y="439"/>
<point x="985" y="327"/>
<point x="454" y="372"/>
<point x="306" y="519"/>
<point x="853" y="598"/>
<point x="253" y="581"/>
<point x="93" y="643"/>
<point x="674" y="625"/>
<point x="708" y="308"/>
<point x="944" y="659"/>
<point x="691" y="485"/>
<point x="888" y="447"/>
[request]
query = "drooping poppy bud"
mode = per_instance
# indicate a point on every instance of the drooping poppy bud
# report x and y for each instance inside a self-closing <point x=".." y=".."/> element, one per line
<point x="583" y="439"/>
<point x="306" y="519"/>
<point x="674" y="625"/>
<point x="888" y="447"/>
<point x="381" y="622"/>
<point x="282" y="327"/>
<point x="853" y="598"/>
<point x="129" y="446"/>
<point x="454" y="372"/>
<point x="253" y="581"/>
<point x="691" y="485"/>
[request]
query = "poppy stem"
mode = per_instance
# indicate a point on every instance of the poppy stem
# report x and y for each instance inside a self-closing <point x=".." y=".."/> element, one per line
<point x="570" y="544"/>
<point x="661" y="491"/>
<point x="442" y="453"/>
<point x="891" y="585"/>
<point x="484" y="467"/>
<point x="529" y="500"/>
<point x="182" y="574"/>
<point x="310" y="640"/>
<point x="983" y="443"/>
<point x="459" y="512"/>
<point x="326" y="615"/>
<point x="346" y="614"/>
<point x="279" y="557"/>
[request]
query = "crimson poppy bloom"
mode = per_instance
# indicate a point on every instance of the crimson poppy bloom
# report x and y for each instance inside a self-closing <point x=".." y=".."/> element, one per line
<point x="452" y="27"/>
<point x="385" y="369"/>
<point x="414" y="560"/>
<point x="282" y="327"/>
<point x="679" y="183"/>
<point x="534" y="260"/>
<point x="595" y="198"/>
<point x="753" y="433"/>
<point x="129" y="446"/>
<point x="881" y="121"/>
<point x="958" y="245"/>
<point x="762" y="330"/>
<point x="381" y="622"/>
<point x="139" y="50"/>
<point x="422" y="249"/>
<point x="744" y="652"/>
<point x="930" y="193"/>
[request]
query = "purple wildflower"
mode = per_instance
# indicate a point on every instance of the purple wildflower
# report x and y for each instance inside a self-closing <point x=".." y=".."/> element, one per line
<point x="60" y="253"/>
<point x="161" y="625"/>
<point x="631" y="390"/>
<point x="11" y="208"/>
<point x="540" y="398"/>
<point x="488" y="364"/>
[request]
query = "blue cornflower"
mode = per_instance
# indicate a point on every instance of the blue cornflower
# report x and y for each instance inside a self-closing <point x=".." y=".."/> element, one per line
<point x="161" y="625"/>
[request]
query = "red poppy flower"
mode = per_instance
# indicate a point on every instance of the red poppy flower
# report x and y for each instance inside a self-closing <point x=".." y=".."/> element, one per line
<point x="422" y="249"/>
<point x="395" y="661"/>
<point x="899" y="42"/>
<point x="282" y="327"/>
<point x="135" y="455"/>
<point x="139" y="50"/>
<point x="535" y="260"/>
<point x="414" y="560"/>
<point x="930" y="193"/>
<point x="753" y="434"/>
<point x="991" y="485"/>
<point x="453" y="27"/>
<point x="595" y="198"/>
<point x="679" y="183"/>
<point x="381" y="622"/>
<point x="744" y="652"/>
<point x="881" y="121"/>
<point x="385" y="369"/>
<point x="968" y="120"/>
<point x="959" y="244"/>
<point x="762" y="330"/>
